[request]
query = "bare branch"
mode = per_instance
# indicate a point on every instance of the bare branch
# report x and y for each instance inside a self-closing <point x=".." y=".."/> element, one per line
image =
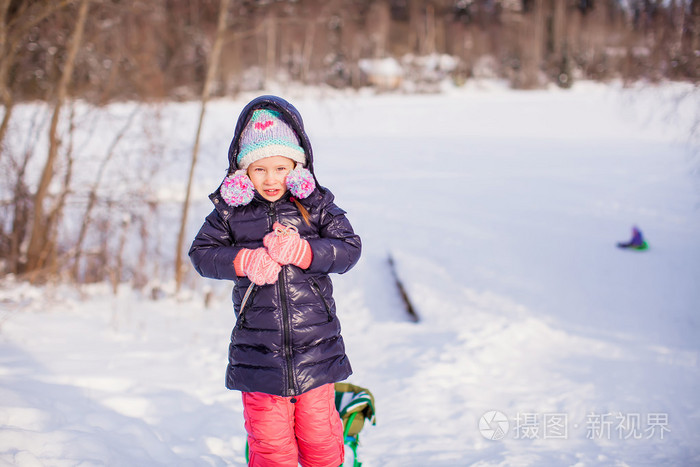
<point x="39" y="228"/>
<point x="211" y="72"/>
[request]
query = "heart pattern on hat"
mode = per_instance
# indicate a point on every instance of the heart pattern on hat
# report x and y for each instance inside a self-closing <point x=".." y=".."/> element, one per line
<point x="262" y="126"/>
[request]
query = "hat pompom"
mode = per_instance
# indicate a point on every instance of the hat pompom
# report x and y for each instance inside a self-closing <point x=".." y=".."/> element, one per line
<point x="237" y="189"/>
<point x="300" y="182"/>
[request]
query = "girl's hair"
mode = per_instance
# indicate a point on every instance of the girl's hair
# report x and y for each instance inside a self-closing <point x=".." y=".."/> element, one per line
<point x="302" y="210"/>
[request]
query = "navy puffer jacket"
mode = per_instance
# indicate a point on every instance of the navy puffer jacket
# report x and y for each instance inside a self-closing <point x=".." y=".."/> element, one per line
<point x="287" y="339"/>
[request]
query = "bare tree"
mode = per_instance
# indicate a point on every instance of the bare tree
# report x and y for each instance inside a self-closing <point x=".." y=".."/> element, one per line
<point x="270" y="33"/>
<point x="206" y="90"/>
<point x="93" y="194"/>
<point x="55" y="214"/>
<point x="40" y="245"/>
<point x="691" y="39"/>
<point x="378" y="25"/>
<point x="13" y="28"/>
<point x="527" y="45"/>
<point x="5" y="96"/>
<point x="17" y="207"/>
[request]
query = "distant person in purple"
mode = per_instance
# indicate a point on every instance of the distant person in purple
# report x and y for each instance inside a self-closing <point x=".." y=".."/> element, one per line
<point x="637" y="241"/>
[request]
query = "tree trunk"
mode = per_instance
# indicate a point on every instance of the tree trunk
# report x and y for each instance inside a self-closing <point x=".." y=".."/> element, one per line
<point x="270" y="48"/>
<point x="378" y="27"/>
<point x="429" y="43"/>
<point x="309" y="36"/>
<point x="48" y="253"/>
<point x="20" y="218"/>
<point x="26" y="17"/>
<point x="40" y="229"/>
<point x="5" y="96"/>
<point x="211" y="72"/>
<point x="533" y="44"/>
<point x="691" y="40"/>
<point x="116" y="270"/>
<point x="4" y="6"/>
<point x="559" y="40"/>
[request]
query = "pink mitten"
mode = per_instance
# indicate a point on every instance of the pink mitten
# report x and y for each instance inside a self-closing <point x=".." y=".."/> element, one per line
<point x="257" y="265"/>
<point x="286" y="247"/>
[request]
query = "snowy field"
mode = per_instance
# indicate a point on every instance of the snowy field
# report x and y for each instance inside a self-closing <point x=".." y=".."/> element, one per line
<point x="501" y="209"/>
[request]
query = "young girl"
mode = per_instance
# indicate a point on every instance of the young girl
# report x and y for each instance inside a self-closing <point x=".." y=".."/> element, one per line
<point x="278" y="235"/>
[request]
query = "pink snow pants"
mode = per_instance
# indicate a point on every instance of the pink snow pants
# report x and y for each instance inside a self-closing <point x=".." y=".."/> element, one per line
<point x="282" y="433"/>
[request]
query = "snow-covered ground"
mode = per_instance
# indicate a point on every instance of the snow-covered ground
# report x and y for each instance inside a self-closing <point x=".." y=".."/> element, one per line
<point x="501" y="209"/>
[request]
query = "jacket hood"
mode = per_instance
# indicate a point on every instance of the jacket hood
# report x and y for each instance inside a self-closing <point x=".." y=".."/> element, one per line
<point x="289" y="113"/>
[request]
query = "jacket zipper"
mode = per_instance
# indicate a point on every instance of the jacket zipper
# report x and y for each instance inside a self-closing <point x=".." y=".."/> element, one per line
<point x="317" y="288"/>
<point x="287" y="341"/>
<point x="287" y="333"/>
<point x="247" y="298"/>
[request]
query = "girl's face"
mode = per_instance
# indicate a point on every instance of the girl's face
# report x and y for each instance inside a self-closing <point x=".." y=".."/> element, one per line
<point x="268" y="176"/>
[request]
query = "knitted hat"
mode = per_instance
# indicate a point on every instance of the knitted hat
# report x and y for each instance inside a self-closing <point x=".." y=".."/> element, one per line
<point x="267" y="135"/>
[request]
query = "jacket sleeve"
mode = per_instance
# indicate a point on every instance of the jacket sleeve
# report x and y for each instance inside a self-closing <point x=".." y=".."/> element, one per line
<point x="212" y="251"/>
<point x="338" y="248"/>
